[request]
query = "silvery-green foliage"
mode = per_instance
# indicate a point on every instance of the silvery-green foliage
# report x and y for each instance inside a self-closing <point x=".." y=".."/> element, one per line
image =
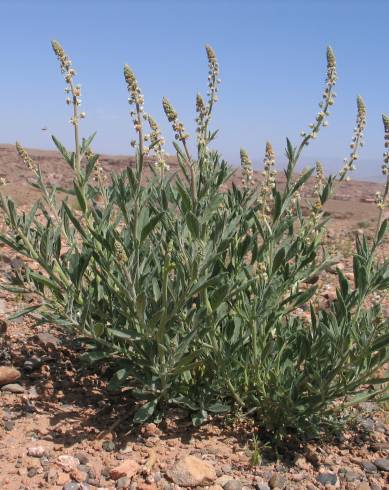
<point x="192" y="292"/>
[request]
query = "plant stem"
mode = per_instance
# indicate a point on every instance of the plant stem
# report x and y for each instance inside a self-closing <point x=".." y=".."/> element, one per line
<point x="191" y="169"/>
<point x="77" y="162"/>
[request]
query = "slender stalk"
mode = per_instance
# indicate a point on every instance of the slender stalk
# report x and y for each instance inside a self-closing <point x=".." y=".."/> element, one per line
<point x="191" y="170"/>
<point x="77" y="163"/>
<point x="140" y="139"/>
<point x="381" y="209"/>
<point x="314" y="129"/>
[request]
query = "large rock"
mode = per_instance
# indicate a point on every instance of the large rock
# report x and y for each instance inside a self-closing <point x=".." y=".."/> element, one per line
<point x="128" y="468"/>
<point x="13" y="388"/>
<point x="8" y="375"/>
<point x="192" y="472"/>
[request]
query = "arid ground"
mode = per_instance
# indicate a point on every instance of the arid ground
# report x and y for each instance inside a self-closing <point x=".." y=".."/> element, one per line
<point x="61" y="429"/>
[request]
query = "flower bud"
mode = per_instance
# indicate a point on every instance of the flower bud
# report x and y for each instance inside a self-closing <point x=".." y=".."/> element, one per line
<point x="331" y="61"/>
<point x="385" y="120"/>
<point x="171" y="114"/>
<point x="130" y="79"/>
<point x="27" y="160"/>
<point x="210" y="54"/>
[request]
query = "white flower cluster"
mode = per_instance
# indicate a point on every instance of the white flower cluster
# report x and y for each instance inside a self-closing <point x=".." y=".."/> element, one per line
<point x="317" y="207"/>
<point x="213" y="74"/>
<point x="156" y="145"/>
<point x="357" y="140"/>
<point x="202" y="119"/>
<point x="27" y="160"/>
<point x="203" y="109"/>
<point x="172" y="117"/>
<point x="269" y="174"/>
<point x="327" y="100"/>
<point x="72" y="91"/>
<point x="379" y="200"/>
<point x="247" y="168"/>
<point x="135" y="99"/>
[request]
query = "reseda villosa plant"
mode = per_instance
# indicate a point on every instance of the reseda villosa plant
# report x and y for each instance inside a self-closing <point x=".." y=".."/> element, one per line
<point x="191" y="293"/>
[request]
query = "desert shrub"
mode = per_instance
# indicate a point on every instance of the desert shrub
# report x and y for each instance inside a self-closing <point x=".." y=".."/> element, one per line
<point x="199" y="293"/>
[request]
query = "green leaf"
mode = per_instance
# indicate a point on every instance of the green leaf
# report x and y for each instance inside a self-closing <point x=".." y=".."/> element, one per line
<point x="289" y="150"/>
<point x="301" y="181"/>
<point x="193" y="224"/>
<point x="98" y="329"/>
<point x="218" y="407"/>
<point x="186" y="202"/>
<point x="279" y="259"/>
<point x="80" y="197"/>
<point x="118" y="379"/>
<point x="86" y="143"/>
<point x="344" y="287"/>
<point x="120" y="334"/>
<point x="90" y="166"/>
<point x="149" y="227"/>
<point x="219" y="295"/>
<point x="94" y="356"/>
<point x="63" y="152"/>
<point x="199" y="418"/>
<point x="41" y="279"/>
<point x="145" y="411"/>
<point x="75" y="221"/>
<point x="23" y="312"/>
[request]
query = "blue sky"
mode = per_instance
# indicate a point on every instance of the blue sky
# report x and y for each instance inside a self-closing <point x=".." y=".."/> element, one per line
<point x="272" y="57"/>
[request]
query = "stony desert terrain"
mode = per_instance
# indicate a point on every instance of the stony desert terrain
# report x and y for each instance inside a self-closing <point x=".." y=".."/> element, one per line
<point x="61" y="429"/>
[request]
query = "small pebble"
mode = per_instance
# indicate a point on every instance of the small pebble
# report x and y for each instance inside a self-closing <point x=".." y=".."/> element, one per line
<point x="94" y="482"/>
<point x="351" y="476"/>
<point x="327" y="478"/>
<point x="233" y="485"/>
<point x="261" y="484"/>
<point x="9" y="425"/>
<point x="51" y="476"/>
<point x="278" y="481"/>
<point x="124" y="482"/>
<point x="106" y="471"/>
<point x="36" y="451"/>
<point x="363" y="486"/>
<point x="31" y="472"/>
<point x="368" y="467"/>
<point x="121" y="457"/>
<point x="157" y="476"/>
<point x="108" y="446"/>
<point x="382" y="464"/>
<point x="367" y="425"/>
<point x="45" y="462"/>
<point x="72" y="485"/>
<point x="32" y="364"/>
<point x="82" y="458"/>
